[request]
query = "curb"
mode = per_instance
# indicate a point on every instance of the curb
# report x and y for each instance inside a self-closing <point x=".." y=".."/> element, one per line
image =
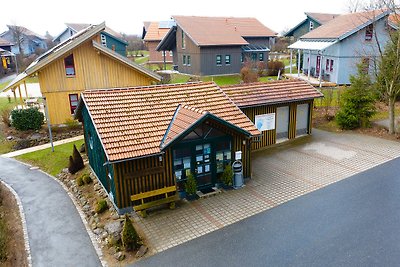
<point x="23" y="221"/>
<point x="81" y="214"/>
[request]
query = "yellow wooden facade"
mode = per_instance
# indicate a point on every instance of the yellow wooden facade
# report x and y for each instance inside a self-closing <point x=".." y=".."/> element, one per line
<point x="93" y="70"/>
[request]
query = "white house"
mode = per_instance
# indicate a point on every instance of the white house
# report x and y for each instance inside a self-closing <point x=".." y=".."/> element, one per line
<point x="332" y="51"/>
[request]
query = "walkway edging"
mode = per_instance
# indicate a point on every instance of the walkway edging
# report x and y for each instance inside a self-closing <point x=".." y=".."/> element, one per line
<point x="23" y="221"/>
<point x="81" y="215"/>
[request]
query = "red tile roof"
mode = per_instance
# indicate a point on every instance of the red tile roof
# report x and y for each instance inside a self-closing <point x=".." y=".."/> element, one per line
<point x="222" y="30"/>
<point x="342" y="25"/>
<point x="260" y="93"/>
<point x="132" y="122"/>
<point x="154" y="32"/>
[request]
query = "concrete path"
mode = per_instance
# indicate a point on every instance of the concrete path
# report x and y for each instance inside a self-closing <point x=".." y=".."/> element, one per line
<point x="385" y="123"/>
<point x="57" y="236"/>
<point x="41" y="147"/>
<point x="354" y="222"/>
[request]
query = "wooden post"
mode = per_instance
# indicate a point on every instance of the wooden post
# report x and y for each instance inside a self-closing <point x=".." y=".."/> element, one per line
<point x="309" y="64"/>
<point x="298" y="63"/>
<point x="15" y="96"/>
<point x="20" y="96"/>
<point x="320" y="70"/>
<point x="291" y="60"/>
<point x="26" y="91"/>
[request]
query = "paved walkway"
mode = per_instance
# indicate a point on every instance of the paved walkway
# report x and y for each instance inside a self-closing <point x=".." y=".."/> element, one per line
<point x="57" y="236"/>
<point x="280" y="174"/>
<point x="41" y="147"/>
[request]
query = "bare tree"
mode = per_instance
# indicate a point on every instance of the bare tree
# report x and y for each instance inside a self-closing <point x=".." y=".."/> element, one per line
<point x="17" y="33"/>
<point x="354" y="6"/>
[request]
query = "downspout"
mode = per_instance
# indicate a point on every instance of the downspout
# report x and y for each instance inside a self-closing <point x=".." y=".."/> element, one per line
<point x="298" y="63"/>
<point x="309" y="63"/>
<point x="291" y="60"/>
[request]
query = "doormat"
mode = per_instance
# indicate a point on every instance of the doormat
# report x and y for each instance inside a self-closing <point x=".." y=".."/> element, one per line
<point x="207" y="190"/>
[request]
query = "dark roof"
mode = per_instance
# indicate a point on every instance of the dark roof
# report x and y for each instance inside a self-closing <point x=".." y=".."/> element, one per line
<point x="4" y="42"/>
<point x="134" y="122"/>
<point x="268" y="93"/>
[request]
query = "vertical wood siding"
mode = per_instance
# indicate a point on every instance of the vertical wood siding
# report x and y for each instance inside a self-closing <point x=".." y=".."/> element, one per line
<point x="93" y="70"/>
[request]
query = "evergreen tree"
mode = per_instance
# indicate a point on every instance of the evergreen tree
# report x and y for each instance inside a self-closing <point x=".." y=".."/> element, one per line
<point x="129" y="235"/>
<point x="357" y="105"/>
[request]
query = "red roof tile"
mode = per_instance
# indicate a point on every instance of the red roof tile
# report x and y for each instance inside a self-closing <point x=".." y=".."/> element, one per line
<point x="132" y="122"/>
<point x="154" y="32"/>
<point x="256" y="94"/>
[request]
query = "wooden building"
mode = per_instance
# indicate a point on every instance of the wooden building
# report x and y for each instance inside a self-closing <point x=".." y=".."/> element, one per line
<point x="79" y="63"/>
<point x="281" y="110"/>
<point x="148" y="139"/>
<point x="216" y="45"/>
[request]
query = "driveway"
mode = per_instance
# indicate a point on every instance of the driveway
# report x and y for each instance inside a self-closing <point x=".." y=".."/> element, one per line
<point x="57" y="236"/>
<point x="354" y="222"/>
<point x="280" y="174"/>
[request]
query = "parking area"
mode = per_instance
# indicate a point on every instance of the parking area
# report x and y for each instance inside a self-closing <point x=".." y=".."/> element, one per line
<point x="280" y="174"/>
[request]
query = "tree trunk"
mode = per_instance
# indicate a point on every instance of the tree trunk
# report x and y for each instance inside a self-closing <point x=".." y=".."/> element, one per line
<point x="392" y="102"/>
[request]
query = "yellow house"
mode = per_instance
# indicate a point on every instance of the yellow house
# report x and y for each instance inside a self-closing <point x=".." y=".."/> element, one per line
<point x="78" y="64"/>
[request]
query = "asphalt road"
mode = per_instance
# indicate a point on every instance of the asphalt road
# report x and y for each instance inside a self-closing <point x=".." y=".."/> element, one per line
<point x="355" y="222"/>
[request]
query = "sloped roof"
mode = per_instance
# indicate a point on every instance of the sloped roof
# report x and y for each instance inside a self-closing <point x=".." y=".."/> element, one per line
<point x="261" y="93"/>
<point x="26" y="31"/>
<point x="4" y="42"/>
<point x="207" y="31"/>
<point x="345" y="25"/>
<point x="394" y="20"/>
<point x="321" y="18"/>
<point x="154" y="32"/>
<point x="132" y="122"/>
<point x="77" y="27"/>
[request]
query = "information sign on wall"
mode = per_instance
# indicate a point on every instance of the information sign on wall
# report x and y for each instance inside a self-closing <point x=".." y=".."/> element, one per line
<point x="265" y="122"/>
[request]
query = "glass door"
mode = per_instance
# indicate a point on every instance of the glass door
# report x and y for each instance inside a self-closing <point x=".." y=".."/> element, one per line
<point x="203" y="165"/>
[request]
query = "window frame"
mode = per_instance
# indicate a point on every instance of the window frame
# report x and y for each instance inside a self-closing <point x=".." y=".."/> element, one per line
<point x="218" y="60"/>
<point x="188" y="59"/>
<point x="227" y="59"/>
<point x="69" y="65"/>
<point x="311" y="26"/>
<point x="261" y="57"/>
<point x="369" y="32"/>
<point x="184" y="60"/>
<point x="183" y="40"/>
<point x="71" y="106"/>
<point x="332" y="62"/>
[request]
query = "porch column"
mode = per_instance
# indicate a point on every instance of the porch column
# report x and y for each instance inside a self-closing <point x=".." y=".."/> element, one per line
<point x="298" y="63"/>
<point x="15" y="96"/>
<point x="309" y="64"/>
<point x="26" y="91"/>
<point x="20" y="95"/>
<point x="291" y="61"/>
<point x="320" y="70"/>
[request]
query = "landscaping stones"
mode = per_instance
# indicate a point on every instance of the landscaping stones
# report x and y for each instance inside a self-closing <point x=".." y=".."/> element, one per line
<point x="119" y="256"/>
<point x="142" y="250"/>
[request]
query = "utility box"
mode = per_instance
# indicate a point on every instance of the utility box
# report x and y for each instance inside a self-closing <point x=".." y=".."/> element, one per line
<point x="238" y="180"/>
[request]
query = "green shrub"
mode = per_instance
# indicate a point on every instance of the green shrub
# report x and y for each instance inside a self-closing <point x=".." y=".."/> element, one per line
<point x="101" y="206"/>
<point x="72" y="124"/>
<point x="274" y="66"/>
<point x="227" y="175"/>
<point x="79" y="181"/>
<point x="86" y="178"/>
<point x="129" y="235"/>
<point x="27" y="119"/>
<point x="191" y="185"/>
<point x="3" y="240"/>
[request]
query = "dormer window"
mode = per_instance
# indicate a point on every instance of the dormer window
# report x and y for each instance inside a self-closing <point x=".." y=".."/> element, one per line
<point x="69" y="66"/>
<point x="311" y="25"/>
<point x="369" y="31"/>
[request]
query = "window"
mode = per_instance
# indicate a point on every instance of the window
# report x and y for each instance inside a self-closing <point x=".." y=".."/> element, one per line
<point x="254" y="57"/>
<point x="219" y="60"/>
<point x="188" y="60"/>
<point x="311" y="25"/>
<point x="241" y="58"/>
<point x="69" y="65"/>
<point x="73" y="102"/>
<point x="327" y="65"/>
<point x="170" y="53"/>
<point x="90" y="140"/>
<point x="163" y="53"/>
<point x="183" y="40"/>
<point x="227" y="59"/>
<point x="369" y="31"/>
<point x="331" y="67"/>
<point x="184" y="59"/>
<point x="261" y="56"/>
<point x="103" y="39"/>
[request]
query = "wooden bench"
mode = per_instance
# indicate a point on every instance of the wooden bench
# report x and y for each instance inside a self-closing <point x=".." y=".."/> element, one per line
<point x="141" y="209"/>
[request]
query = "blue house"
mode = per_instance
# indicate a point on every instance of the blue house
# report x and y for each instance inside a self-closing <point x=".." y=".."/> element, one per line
<point x="311" y="22"/>
<point x="109" y="37"/>
<point x="332" y="51"/>
<point x="29" y="41"/>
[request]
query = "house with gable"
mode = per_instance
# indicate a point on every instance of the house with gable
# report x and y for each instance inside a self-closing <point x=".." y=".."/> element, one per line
<point x="216" y="45"/>
<point x="109" y="38"/>
<point x="311" y="22"/>
<point x="331" y="52"/>
<point x="77" y="64"/>
<point x="153" y="33"/>
<point x="29" y="41"/>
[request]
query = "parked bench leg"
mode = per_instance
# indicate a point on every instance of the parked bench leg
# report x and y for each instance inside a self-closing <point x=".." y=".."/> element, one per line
<point x="172" y="205"/>
<point x="142" y="213"/>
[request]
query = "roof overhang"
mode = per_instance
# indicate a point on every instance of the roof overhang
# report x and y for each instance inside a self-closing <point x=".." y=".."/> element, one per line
<point x="292" y="30"/>
<point x="314" y="45"/>
<point x="255" y="48"/>
<point x="169" y="40"/>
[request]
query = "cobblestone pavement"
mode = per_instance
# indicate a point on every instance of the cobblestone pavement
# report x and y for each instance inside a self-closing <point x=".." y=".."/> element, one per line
<point x="280" y="174"/>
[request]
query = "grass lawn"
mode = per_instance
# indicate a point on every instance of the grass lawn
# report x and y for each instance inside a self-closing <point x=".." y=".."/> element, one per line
<point x="51" y="162"/>
<point x="141" y="60"/>
<point x="219" y="80"/>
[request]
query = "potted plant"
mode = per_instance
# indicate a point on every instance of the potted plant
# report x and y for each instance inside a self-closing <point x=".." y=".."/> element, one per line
<point x="181" y="190"/>
<point x="191" y="187"/>
<point x="227" y="177"/>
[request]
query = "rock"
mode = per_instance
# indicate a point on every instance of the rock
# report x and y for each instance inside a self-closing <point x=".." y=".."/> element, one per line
<point x="104" y="235"/>
<point x="96" y="187"/>
<point x="98" y="231"/>
<point x="82" y="149"/>
<point x="113" y="227"/>
<point x="36" y="136"/>
<point x="142" y="250"/>
<point x="119" y="256"/>
<point x="10" y="137"/>
<point x="115" y="217"/>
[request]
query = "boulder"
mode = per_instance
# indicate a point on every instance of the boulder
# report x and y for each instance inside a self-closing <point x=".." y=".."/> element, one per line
<point x="142" y="250"/>
<point x="119" y="256"/>
<point x="82" y="149"/>
<point x="113" y="228"/>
